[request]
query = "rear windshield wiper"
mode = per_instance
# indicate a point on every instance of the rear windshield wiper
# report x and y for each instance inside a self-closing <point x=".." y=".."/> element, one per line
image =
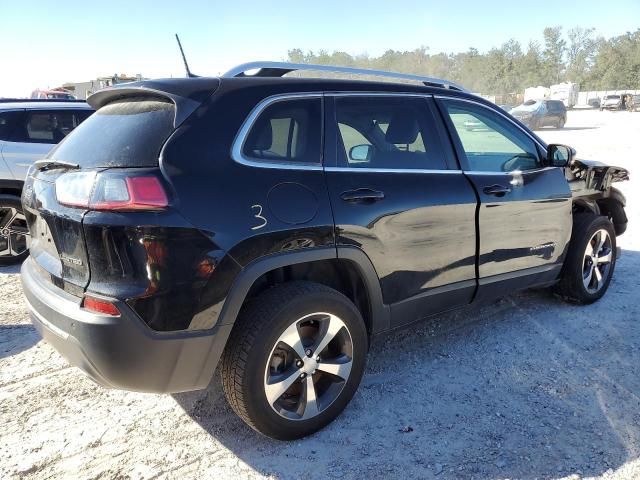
<point x="41" y="165"/>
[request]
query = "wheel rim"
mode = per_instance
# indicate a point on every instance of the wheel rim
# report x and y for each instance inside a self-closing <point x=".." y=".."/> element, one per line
<point x="14" y="232"/>
<point x="308" y="366"/>
<point x="596" y="266"/>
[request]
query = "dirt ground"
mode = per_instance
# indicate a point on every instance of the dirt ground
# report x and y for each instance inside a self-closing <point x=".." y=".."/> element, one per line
<point x="528" y="387"/>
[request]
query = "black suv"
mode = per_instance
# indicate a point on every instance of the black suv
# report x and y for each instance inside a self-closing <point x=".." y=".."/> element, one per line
<point x="536" y="114"/>
<point x="276" y="225"/>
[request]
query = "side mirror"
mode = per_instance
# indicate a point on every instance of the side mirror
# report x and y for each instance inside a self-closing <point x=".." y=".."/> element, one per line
<point x="361" y="153"/>
<point x="559" y="155"/>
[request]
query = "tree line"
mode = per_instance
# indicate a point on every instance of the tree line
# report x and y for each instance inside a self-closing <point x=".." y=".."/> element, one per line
<point x="578" y="55"/>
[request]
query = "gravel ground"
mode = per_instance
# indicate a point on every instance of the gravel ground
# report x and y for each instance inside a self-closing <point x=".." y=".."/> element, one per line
<point x="528" y="387"/>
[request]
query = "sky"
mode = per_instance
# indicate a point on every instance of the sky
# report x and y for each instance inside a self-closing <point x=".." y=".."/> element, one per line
<point x="45" y="43"/>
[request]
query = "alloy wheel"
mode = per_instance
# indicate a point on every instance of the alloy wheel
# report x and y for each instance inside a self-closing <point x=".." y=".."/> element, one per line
<point x="596" y="266"/>
<point x="14" y="232"/>
<point x="308" y="366"/>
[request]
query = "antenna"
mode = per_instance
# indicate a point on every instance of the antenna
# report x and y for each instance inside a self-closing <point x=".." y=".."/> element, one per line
<point x="184" y="59"/>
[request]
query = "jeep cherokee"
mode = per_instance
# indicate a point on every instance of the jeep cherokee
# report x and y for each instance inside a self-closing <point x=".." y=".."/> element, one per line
<point x="276" y="225"/>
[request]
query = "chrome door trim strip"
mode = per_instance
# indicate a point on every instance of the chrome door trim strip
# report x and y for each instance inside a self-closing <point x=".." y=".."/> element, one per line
<point x="388" y="170"/>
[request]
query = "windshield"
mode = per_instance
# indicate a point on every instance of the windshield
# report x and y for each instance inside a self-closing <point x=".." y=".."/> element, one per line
<point x="125" y="133"/>
<point x="612" y="97"/>
<point x="64" y="96"/>
<point x="529" y="106"/>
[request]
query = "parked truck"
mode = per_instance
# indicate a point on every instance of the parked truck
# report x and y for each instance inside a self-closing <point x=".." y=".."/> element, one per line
<point x="567" y="92"/>
<point x="536" y="93"/>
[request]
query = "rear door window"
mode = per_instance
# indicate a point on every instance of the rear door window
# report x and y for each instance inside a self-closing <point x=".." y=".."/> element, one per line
<point x="125" y="133"/>
<point x="49" y="126"/>
<point x="392" y="132"/>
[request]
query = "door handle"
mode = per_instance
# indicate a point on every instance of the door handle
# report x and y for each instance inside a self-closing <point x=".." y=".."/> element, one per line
<point x="362" y="195"/>
<point x="497" y="190"/>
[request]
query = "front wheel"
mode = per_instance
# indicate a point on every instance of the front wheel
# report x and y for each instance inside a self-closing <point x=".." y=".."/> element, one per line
<point x="294" y="360"/>
<point x="14" y="232"/>
<point x="591" y="259"/>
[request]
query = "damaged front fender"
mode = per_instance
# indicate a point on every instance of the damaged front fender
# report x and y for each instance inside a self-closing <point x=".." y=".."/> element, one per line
<point x="590" y="182"/>
<point x="597" y="175"/>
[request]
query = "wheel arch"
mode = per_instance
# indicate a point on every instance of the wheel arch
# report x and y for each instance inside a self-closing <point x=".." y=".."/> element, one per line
<point x="585" y="205"/>
<point x="346" y="269"/>
<point x="613" y="207"/>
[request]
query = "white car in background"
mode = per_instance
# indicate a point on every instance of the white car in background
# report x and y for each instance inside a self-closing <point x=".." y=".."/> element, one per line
<point x="611" y="102"/>
<point x="28" y="130"/>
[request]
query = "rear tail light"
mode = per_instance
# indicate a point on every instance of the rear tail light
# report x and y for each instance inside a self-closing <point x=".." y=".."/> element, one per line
<point x="122" y="191"/>
<point x="100" y="306"/>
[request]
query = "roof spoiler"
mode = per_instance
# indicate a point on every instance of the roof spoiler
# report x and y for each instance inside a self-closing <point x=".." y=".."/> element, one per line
<point x="187" y="97"/>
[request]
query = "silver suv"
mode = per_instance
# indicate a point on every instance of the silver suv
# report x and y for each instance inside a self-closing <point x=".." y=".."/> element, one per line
<point x="28" y="130"/>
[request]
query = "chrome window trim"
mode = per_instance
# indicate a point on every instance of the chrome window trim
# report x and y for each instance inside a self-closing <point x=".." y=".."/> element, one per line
<point x="238" y="143"/>
<point x="389" y="170"/>
<point x="247" y="124"/>
<point x="378" y="94"/>
<point x="511" y="173"/>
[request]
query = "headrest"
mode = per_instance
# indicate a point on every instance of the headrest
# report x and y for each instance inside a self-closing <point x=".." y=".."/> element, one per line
<point x="263" y="136"/>
<point x="403" y="128"/>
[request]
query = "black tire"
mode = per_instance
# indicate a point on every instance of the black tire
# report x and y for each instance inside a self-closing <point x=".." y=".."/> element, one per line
<point x="561" y="123"/>
<point x="571" y="286"/>
<point x="13" y="202"/>
<point x="247" y="359"/>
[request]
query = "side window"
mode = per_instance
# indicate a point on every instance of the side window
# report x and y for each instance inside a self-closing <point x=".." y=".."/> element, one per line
<point x="49" y="126"/>
<point x="287" y="130"/>
<point x="9" y="123"/>
<point x="387" y="132"/>
<point x="490" y="142"/>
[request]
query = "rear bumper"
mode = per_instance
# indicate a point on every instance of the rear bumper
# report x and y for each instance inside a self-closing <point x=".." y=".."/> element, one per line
<point x="121" y="352"/>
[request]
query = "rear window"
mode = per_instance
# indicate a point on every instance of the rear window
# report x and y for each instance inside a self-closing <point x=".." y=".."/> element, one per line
<point x="124" y="133"/>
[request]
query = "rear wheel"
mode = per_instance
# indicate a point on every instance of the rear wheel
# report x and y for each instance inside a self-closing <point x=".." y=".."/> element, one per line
<point x="14" y="232"/>
<point x="295" y="359"/>
<point x="591" y="259"/>
<point x="561" y="122"/>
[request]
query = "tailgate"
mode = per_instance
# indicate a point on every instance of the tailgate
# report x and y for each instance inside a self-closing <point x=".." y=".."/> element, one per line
<point x="57" y="239"/>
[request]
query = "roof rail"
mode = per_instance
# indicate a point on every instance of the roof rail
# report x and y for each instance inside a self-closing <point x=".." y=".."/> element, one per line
<point x="279" y="69"/>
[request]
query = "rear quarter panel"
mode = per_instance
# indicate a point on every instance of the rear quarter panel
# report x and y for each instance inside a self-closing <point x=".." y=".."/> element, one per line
<point x="248" y="212"/>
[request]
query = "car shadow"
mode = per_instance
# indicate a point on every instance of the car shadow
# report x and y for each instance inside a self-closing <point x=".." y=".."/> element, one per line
<point x="17" y="338"/>
<point x="526" y="387"/>
<point x="10" y="270"/>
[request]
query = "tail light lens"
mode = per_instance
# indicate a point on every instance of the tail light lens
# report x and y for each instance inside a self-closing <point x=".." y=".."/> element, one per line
<point x="100" y="306"/>
<point x="110" y="190"/>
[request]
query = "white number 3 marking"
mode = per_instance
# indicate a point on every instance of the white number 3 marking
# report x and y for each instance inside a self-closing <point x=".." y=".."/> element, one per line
<point x="259" y="216"/>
